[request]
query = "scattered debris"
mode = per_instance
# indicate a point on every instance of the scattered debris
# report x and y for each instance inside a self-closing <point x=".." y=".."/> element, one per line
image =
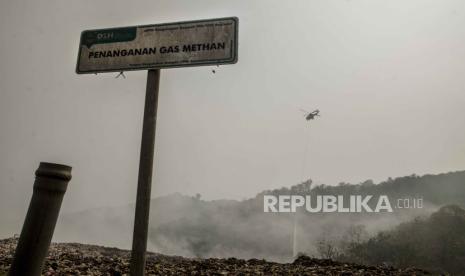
<point x="81" y="259"/>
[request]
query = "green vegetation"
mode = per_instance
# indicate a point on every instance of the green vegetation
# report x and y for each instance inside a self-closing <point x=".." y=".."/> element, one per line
<point x="436" y="243"/>
<point x="194" y="227"/>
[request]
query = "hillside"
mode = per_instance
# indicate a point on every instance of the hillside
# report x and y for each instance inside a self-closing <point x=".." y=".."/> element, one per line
<point x="436" y="243"/>
<point x="192" y="227"/>
<point x="440" y="189"/>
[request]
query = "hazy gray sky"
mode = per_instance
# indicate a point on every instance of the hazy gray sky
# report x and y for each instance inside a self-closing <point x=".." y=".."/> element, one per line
<point x="388" y="77"/>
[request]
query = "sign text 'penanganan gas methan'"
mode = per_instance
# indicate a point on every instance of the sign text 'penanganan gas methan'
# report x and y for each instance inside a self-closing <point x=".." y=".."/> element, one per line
<point x="193" y="43"/>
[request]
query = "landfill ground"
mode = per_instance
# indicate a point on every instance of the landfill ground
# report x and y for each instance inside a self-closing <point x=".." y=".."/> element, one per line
<point x="83" y="259"/>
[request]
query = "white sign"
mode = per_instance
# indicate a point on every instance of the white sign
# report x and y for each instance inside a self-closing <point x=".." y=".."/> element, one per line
<point x="192" y="43"/>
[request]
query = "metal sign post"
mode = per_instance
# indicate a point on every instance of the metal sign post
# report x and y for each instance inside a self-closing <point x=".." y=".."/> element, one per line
<point x="151" y="47"/>
<point x="144" y="185"/>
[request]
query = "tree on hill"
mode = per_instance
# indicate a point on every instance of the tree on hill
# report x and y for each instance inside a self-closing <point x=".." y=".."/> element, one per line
<point x="433" y="243"/>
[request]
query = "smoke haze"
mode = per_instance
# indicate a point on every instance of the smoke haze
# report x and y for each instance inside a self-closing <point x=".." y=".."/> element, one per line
<point x="388" y="77"/>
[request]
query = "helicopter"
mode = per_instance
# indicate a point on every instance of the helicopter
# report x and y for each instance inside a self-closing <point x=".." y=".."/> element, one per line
<point x="311" y="115"/>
